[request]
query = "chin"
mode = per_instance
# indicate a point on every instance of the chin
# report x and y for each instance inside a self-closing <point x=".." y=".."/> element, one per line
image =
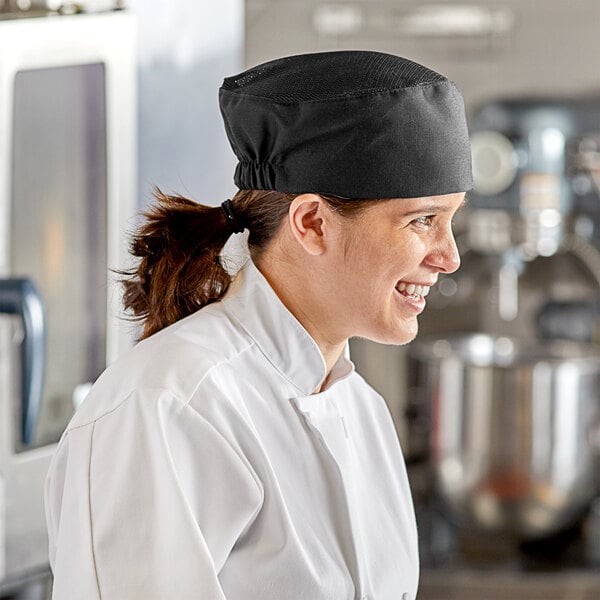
<point x="407" y="339"/>
<point x="400" y="336"/>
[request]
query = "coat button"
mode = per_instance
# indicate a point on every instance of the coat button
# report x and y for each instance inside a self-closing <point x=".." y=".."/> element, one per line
<point x="406" y="596"/>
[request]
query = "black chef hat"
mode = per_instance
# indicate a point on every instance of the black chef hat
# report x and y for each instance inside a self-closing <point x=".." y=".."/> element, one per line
<point x="355" y="124"/>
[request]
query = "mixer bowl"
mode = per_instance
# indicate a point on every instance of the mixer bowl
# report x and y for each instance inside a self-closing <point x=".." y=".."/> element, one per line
<point x="513" y="430"/>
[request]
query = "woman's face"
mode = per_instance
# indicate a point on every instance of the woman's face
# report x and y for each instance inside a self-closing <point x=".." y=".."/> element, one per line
<point x="384" y="262"/>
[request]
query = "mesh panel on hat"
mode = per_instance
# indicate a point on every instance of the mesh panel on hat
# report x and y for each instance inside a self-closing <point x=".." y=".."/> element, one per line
<point x="329" y="75"/>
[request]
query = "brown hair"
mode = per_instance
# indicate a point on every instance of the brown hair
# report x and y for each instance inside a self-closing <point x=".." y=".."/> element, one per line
<point x="179" y="246"/>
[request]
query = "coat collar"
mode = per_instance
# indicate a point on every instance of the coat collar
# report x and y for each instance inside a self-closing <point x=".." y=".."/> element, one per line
<point x="255" y="306"/>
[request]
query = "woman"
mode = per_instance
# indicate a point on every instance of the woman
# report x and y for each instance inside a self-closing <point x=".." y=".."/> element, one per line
<point x="234" y="453"/>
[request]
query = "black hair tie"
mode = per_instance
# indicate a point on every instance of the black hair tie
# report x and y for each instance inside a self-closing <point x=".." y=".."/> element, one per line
<point x="236" y="226"/>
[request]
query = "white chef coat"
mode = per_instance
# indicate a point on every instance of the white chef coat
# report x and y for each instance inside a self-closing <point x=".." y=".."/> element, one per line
<point x="203" y="466"/>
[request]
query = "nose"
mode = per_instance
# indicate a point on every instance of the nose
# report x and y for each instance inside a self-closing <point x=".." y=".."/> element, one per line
<point x="444" y="255"/>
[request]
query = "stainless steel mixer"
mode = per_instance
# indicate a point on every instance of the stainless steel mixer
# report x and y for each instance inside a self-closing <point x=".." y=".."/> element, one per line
<point x="506" y="371"/>
<point x="516" y="435"/>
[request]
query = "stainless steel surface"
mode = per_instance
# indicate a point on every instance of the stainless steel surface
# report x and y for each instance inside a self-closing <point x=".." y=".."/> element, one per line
<point x="37" y="8"/>
<point x="22" y="522"/>
<point x="59" y="222"/>
<point x="511" y="426"/>
<point x="20" y="297"/>
<point x="67" y="191"/>
<point x="30" y="585"/>
<point x="508" y="585"/>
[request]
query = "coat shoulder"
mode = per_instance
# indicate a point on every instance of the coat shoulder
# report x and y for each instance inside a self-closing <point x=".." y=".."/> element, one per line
<point x="177" y="359"/>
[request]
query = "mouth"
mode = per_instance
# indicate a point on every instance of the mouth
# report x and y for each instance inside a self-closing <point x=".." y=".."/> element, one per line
<point x="413" y="294"/>
<point x="413" y="289"/>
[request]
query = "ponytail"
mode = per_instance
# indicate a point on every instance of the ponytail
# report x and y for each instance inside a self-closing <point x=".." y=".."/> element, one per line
<point x="179" y="247"/>
<point x="179" y="269"/>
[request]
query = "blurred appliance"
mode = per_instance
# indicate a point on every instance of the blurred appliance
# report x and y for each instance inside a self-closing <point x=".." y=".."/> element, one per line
<point x="505" y="390"/>
<point x="38" y="8"/>
<point x="67" y="190"/>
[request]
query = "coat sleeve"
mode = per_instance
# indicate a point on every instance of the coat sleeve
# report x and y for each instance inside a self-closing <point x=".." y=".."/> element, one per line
<point x="146" y="502"/>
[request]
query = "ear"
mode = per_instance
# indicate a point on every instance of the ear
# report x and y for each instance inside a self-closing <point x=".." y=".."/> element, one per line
<point x="308" y="218"/>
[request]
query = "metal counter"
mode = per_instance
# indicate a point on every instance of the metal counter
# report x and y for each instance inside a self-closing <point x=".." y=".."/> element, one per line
<point x="503" y="585"/>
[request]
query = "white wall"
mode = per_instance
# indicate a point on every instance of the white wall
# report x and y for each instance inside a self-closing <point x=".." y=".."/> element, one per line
<point x="530" y="47"/>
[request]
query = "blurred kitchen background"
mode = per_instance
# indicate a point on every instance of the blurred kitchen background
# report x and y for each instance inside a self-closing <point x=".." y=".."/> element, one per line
<point x="497" y="402"/>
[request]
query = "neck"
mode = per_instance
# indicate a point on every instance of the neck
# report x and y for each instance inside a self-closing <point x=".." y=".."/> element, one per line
<point x="296" y="293"/>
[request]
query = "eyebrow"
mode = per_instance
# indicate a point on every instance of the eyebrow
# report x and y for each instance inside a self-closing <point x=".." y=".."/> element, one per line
<point x="433" y="207"/>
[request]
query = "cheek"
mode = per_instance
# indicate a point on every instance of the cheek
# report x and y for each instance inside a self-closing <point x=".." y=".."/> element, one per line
<point x="418" y="247"/>
<point x="383" y="258"/>
<point x="402" y="257"/>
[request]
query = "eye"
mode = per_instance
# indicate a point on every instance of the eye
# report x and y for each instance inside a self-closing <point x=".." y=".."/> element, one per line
<point x="425" y="221"/>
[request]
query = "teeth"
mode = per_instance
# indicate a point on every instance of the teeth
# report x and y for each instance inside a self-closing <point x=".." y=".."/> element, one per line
<point x="413" y="289"/>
